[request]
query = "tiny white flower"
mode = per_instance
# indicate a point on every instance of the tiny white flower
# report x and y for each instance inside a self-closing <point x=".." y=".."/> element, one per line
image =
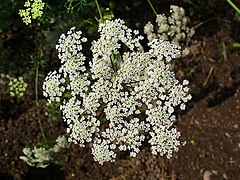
<point x="182" y="106"/>
<point x="185" y="82"/>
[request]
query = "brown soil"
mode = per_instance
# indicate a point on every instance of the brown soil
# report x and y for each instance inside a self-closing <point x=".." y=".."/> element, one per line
<point x="210" y="126"/>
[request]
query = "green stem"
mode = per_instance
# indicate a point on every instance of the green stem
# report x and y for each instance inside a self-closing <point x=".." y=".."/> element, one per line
<point x="37" y="104"/>
<point x="77" y="4"/>
<point x="112" y="59"/>
<point x="99" y="11"/>
<point x="89" y="22"/>
<point x="234" y="6"/>
<point x="149" y="2"/>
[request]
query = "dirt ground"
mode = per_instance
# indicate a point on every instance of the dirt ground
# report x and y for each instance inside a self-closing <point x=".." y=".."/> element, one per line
<point x="210" y="125"/>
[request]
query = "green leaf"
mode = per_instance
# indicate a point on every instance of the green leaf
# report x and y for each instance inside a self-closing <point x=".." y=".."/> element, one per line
<point x="116" y="60"/>
<point x="236" y="45"/>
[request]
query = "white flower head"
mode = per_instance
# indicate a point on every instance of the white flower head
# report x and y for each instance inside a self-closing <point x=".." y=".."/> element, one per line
<point x="173" y="29"/>
<point x="124" y="93"/>
<point x="53" y="86"/>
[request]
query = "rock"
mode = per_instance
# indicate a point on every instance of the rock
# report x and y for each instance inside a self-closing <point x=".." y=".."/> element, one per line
<point x="207" y="174"/>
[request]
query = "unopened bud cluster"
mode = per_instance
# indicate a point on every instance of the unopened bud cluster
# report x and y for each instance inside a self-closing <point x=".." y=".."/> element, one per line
<point x="33" y="10"/>
<point x="122" y="97"/>
<point x="17" y="87"/>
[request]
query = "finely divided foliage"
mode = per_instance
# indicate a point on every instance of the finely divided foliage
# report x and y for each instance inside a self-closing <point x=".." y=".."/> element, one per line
<point x="125" y="96"/>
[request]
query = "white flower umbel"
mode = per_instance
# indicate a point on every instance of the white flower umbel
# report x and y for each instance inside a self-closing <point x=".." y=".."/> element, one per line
<point x="102" y="151"/>
<point x="174" y="29"/>
<point x="53" y="86"/>
<point x="164" y="141"/>
<point x="123" y="94"/>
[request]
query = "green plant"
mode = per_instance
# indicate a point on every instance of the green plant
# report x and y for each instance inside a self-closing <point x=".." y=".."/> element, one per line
<point x="193" y="142"/>
<point x="224" y="49"/>
<point x="37" y="62"/>
<point x="71" y="5"/>
<point x="234" y="6"/>
<point x="8" y="10"/>
<point x="52" y="110"/>
<point x="236" y="45"/>
<point x="42" y="156"/>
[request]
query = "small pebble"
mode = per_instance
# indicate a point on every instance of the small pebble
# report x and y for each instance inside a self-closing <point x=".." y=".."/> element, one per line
<point x="225" y="176"/>
<point x="207" y="174"/>
<point x="227" y="135"/>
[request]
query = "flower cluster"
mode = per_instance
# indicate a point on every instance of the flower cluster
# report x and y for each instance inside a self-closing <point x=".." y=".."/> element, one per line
<point x="123" y="97"/>
<point x="42" y="157"/>
<point x="17" y="87"/>
<point x="173" y="28"/>
<point x="34" y="9"/>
